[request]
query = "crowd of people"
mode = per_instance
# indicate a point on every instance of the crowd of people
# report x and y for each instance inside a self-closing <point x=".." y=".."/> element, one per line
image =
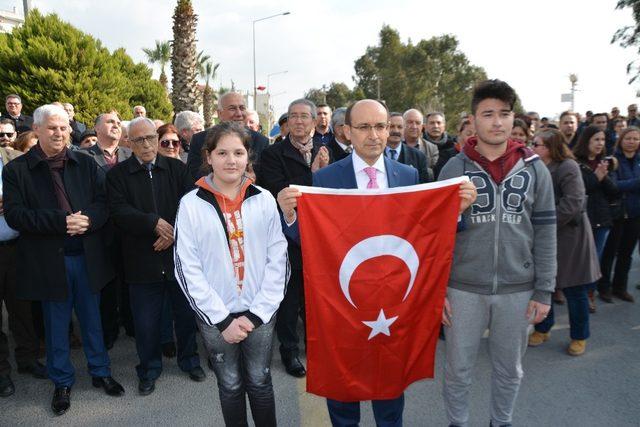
<point x="113" y="221"/>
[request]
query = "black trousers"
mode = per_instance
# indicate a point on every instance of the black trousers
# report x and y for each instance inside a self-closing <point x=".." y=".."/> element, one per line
<point x="291" y="308"/>
<point x="20" y="318"/>
<point x="619" y="247"/>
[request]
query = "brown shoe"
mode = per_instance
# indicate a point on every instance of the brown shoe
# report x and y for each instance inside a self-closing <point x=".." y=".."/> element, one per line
<point x="577" y="347"/>
<point x="558" y="297"/>
<point x="606" y="296"/>
<point x="537" y="338"/>
<point x="624" y="296"/>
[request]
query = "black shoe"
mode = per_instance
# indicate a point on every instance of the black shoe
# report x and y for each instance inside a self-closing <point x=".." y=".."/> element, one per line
<point x="169" y="349"/>
<point x="197" y="374"/>
<point x="111" y="386"/>
<point x="37" y="370"/>
<point x="61" y="400"/>
<point x="606" y="297"/>
<point x="146" y="387"/>
<point x="294" y="367"/>
<point x="6" y="386"/>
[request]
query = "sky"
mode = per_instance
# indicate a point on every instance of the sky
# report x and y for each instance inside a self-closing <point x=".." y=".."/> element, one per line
<point x="533" y="46"/>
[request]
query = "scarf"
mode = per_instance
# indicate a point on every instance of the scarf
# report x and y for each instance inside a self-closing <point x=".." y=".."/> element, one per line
<point x="56" y="166"/>
<point x="500" y="167"/>
<point x="304" y="149"/>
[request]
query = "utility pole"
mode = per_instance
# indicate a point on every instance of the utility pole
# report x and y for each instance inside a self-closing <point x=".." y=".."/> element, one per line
<point x="26" y="5"/>
<point x="573" y="78"/>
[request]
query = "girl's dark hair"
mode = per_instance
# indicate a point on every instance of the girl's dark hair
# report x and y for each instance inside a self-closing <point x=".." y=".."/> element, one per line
<point x="554" y="141"/>
<point x="519" y="123"/>
<point x="493" y="89"/>
<point x="581" y="150"/>
<point x="167" y="128"/>
<point x="216" y="133"/>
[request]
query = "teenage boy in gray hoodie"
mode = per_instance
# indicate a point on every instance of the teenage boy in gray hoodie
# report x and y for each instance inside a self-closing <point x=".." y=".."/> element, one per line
<point x="504" y="265"/>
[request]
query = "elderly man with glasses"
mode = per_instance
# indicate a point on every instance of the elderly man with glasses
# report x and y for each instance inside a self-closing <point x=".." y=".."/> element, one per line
<point x="13" y="104"/>
<point x="144" y="192"/>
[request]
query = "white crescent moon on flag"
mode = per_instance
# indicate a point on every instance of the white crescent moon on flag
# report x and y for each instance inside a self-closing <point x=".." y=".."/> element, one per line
<point x="374" y="247"/>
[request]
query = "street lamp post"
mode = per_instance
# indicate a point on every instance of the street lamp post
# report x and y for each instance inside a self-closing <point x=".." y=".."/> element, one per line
<point x="255" y="93"/>
<point x="573" y="78"/>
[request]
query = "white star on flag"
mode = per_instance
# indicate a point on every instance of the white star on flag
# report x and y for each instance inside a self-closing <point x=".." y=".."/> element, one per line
<point x="380" y="325"/>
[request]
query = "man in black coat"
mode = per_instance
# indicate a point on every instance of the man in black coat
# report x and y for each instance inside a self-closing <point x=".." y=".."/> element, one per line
<point x="55" y="198"/>
<point x="13" y="104"/>
<point x="292" y="161"/>
<point x="435" y="132"/>
<point x="144" y="192"/>
<point x="401" y="152"/>
<point x="339" y="146"/>
<point x="231" y="107"/>
<point x="77" y="128"/>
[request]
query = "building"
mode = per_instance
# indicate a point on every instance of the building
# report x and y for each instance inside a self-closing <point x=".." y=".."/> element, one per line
<point x="9" y="19"/>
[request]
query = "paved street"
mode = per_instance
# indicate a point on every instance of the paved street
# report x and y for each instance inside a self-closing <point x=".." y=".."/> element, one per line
<point x="601" y="388"/>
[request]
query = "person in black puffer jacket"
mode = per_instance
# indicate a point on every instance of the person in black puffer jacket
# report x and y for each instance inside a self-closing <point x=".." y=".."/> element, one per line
<point x="599" y="187"/>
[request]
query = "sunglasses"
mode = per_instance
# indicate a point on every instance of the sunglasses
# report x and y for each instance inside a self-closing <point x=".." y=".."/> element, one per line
<point x="6" y="134"/>
<point x="166" y="143"/>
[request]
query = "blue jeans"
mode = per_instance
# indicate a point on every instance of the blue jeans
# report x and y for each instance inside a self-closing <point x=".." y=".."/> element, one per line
<point x="57" y="316"/>
<point x="243" y="368"/>
<point x="387" y="413"/>
<point x="600" y="235"/>
<point x="146" y="306"/>
<point x="578" y="306"/>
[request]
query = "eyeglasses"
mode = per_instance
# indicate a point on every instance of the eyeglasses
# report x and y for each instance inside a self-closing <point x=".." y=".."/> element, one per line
<point x="173" y="143"/>
<point x="295" y="116"/>
<point x="235" y="108"/>
<point x="143" y="139"/>
<point x="6" y="134"/>
<point x="539" y="145"/>
<point x="14" y="103"/>
<point x="366" y="128"/>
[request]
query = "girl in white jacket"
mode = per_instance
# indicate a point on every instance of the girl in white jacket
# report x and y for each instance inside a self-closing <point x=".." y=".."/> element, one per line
<point x="231" y="263"/>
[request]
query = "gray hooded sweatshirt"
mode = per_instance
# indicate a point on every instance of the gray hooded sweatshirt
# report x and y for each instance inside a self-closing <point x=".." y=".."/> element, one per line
<point x="509" y="244"/>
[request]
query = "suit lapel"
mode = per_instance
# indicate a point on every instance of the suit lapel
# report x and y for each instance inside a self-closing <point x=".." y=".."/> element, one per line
<point x="348" y="175"/>
<point x="392" y="173"/>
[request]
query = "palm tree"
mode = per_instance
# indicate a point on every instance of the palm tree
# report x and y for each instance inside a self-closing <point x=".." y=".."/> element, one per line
<point x="161" y="54"/>
<point x="184" y="66"/>
<point x="208" y="72"/>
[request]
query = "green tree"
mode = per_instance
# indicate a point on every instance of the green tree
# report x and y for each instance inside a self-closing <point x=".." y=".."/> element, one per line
<point x="184" y="64"/>
<point x="47" y="60"/>
<point x="160" y="54"/>
<point x="337" y="95"/>
<point x="208" y="73"/>
<point x="629" y="36"/>
<point x="430" y="75"/>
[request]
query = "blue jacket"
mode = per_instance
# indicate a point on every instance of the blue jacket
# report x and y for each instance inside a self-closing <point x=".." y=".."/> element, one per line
<point x="627" y="178"/>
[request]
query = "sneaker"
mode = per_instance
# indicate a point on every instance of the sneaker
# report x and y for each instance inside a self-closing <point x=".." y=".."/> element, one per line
<point x="537" y="338"/>
<point x="577" y="347"/>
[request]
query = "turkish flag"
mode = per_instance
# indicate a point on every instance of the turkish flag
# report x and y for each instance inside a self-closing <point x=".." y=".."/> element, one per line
<point x="376" y="267"/>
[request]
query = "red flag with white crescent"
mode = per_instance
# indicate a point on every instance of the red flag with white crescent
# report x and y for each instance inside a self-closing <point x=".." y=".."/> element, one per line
<point x="376" y="267"/>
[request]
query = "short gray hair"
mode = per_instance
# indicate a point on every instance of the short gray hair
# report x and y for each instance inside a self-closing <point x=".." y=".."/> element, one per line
<point x="302" y="101"/>
<point x="224" y="96"/>
<point x="411" y="110"/>
<point x="337" y="118"/>
<point x="137" y="120"/>
<point x="43" y="113"/>
<point x="187" y="119"/>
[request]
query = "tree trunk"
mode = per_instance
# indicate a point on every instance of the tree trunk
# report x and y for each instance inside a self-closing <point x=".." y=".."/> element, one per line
<point x="184" y="80"/>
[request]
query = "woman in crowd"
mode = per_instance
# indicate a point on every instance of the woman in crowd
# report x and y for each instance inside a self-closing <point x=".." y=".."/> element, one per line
<point x="231" y="262"/>
<point x="575" y="241"/>
<point x="25" y="141"/>
<point x="626" y="230"/>
<point x="600" y="189"/>
<point x="520" y="131"/>
<point x="465" y="131"/>
<point x="168" y="141"/>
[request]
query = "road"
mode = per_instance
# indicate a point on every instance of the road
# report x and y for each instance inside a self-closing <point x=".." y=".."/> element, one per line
<point x="602" y="387"/>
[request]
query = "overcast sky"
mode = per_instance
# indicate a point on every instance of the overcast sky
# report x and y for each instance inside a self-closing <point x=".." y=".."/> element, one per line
<point x="531" y="45"/>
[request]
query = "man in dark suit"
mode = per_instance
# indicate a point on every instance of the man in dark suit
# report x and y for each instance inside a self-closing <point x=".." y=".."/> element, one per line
<point x="114" y="302"/>
<point x="292" y="161"/>
<point x="398" y="151"/>
<point x="13" y="104"/>
<point x="144" y="192"/>
<point x="339" y="146"/>
<point x="366" y="126"/>
<point x="55" y="198"/>
<point x="231" y="107"/>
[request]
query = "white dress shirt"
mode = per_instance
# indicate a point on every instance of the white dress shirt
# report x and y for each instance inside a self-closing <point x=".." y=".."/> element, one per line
<point x="362" y="179"/>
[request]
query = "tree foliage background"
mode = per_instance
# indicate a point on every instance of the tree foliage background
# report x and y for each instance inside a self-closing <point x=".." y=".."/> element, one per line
<point x="47" y="60"/>
<point x="432" y="75"/>
<point x="629" y="36"/>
